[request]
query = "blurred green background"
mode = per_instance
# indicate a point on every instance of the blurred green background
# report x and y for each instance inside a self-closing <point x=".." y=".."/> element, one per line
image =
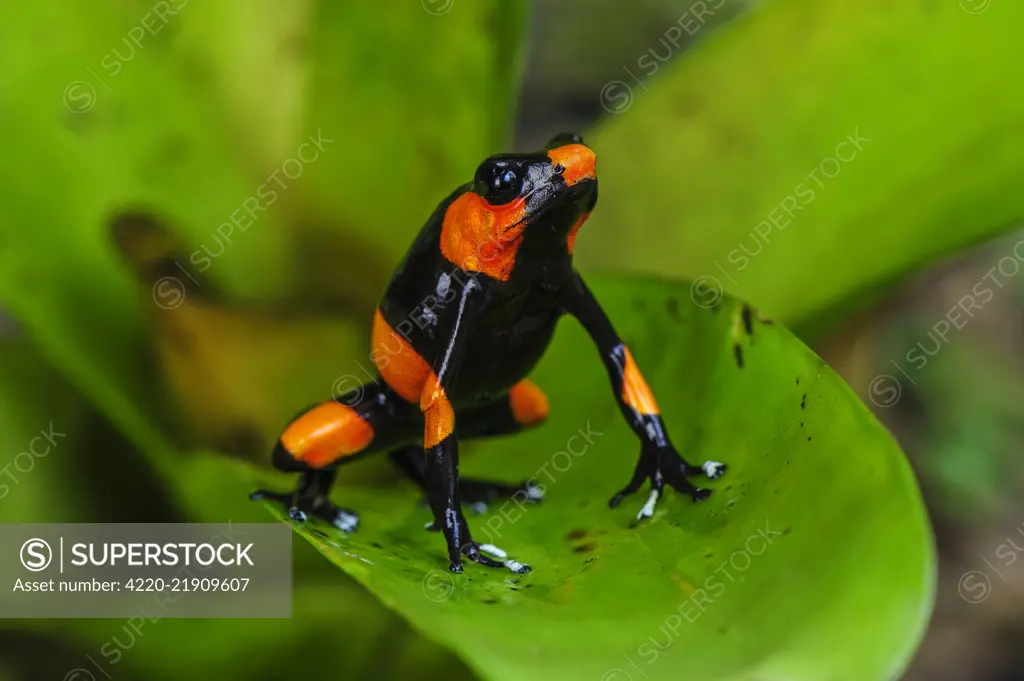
<point x="135" y="129"/>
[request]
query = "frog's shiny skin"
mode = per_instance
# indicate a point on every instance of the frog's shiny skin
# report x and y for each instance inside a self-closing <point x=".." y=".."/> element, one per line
<point x="466" y="316"/>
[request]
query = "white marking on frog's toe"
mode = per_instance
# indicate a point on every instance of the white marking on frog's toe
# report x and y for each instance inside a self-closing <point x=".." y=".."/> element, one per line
<point x="517" y="567"/>
<point x="478" y="508"/>
<point x="713" y="469"/>
<point x="648" y="510"/>
<point x="494" y="551"/>
<point x="346" y="522"/>
<point x="534" y="492"/>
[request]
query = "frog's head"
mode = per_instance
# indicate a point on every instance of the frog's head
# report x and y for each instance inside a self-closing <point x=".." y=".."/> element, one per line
<point x="540" y="198"/>
<point x="555" y="186"/>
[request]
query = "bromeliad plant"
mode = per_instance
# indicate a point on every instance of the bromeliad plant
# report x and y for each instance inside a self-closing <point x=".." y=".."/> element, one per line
<point x="183" y="176"/>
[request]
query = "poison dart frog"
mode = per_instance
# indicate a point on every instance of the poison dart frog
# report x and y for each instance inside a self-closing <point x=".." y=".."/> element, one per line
<point x="464" y="319"/>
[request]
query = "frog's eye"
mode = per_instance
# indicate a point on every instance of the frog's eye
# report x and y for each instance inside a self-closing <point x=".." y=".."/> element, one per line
<point x="499" y="184"/>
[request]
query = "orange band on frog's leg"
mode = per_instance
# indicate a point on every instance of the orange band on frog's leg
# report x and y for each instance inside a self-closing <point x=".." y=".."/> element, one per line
<point x="438" y="414"/>
<point x="326" y="433"/>
<point x="635" y="391"/>
<point x="399" y="364"/>
<point x="528" y="403"/>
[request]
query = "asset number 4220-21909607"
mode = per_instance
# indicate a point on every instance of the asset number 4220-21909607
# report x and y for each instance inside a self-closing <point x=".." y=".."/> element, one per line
<point x="186" y="584"/>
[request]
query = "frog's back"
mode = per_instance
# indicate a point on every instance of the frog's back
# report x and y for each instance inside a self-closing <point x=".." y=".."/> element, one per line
<point x="406" y="332"/>
<point x="416" y="276"/>
<point x="414" y="317"/>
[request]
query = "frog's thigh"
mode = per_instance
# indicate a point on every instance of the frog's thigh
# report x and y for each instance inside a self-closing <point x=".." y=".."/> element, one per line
<point x="525" y="406"/>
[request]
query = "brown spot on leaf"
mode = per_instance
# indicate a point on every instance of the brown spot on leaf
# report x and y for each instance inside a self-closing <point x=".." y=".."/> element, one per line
<point x="585" y="548"/>
<point x="576" y="534"/>
<point x="737" y="351"/>
<point x="672" y="307"/>
<point x="747" y="313"/>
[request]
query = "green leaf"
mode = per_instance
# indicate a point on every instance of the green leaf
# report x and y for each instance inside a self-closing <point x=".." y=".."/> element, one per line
<point x="97" y="126"/>
<point x="178" y="115"/>
<point x="38" y="404"/>
<point x="813" y="558"/>
<point x="722" y="142"/>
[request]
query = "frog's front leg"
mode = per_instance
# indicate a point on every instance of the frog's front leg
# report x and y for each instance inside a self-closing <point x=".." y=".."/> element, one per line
<point x="659" y="461"/>
<point x="440" y="443"/>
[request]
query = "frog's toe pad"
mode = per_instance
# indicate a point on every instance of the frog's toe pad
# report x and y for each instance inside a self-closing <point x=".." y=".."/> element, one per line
<point x="713" y="469"/>
<point x="649" y="506"/>
<point x="534" y="492"/>
<point x="501" y="557"/>
<point x="346" y="521"/>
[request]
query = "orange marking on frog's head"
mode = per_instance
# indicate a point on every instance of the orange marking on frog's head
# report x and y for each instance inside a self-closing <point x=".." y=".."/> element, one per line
<point x="555" y="188"/>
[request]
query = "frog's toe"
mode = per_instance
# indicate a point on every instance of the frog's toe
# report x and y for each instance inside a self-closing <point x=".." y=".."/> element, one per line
<point x="713" y="469"/>
<point x="490" y="555"/>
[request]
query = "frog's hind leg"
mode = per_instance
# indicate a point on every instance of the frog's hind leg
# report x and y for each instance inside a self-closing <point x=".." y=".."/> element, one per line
<point x="329" y="434"/>
<point x="526" y="406"/>
<point x="310" y="498"/>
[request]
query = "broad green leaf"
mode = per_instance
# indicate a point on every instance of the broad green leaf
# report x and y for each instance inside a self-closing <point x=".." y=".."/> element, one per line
<point x="96" y="126"/>
<point x="724" y="164"/>
<point x="813" y="558"/>
<point x="179" y="116"/>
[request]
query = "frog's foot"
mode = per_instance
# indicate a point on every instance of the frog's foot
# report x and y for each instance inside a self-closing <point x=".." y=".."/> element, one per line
<point x="663" y="466"/>
<point x="477" y="494"/>
<point x="300" y="506"/>
<point x="490" y="555"/>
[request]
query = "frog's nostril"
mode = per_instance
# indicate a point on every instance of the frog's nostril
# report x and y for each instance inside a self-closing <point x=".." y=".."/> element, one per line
<point x="577" y="162"/>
